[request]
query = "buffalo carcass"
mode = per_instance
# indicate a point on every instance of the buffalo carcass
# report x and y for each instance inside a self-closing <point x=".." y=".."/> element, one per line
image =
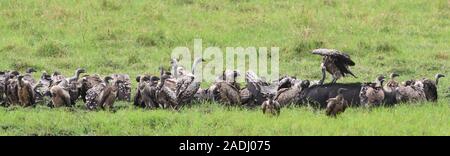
<point x="317" y="95"/>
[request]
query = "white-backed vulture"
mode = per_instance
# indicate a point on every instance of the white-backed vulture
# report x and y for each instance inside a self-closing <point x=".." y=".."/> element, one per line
<point x="124" y="92"/>
<point x="187" y="84"/>
<point x="88" y="82"/>
<point x="11" y="92"/>
<point x="372" y="94"/>
<point x="291" y="94"/>
<point x="165" y="96"/>
<point x="102" y="95"/>
<point x="411" y="91"/>
<point x="336" y="105"/>
<point x="334" y="62"/>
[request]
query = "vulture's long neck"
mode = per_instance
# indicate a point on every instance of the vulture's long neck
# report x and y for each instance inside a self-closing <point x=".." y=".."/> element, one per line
<point x="194" y="65"/>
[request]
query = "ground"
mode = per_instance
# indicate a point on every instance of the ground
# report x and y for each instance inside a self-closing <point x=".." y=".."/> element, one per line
<point x="135" y="37"/>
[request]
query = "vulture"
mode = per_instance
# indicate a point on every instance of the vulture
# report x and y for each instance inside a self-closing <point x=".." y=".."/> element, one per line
<point x="256" y="86"/>
<point x="11" y="88"/>
<point x="411" y="91"/>
<point x="42" y="87"/>
<point x="430" y="87"/>
<point x="57" y="78"/>
<point x="165" y="96"/>
<point x="336" y="105"/>
<point x="2" y="87"/>
<point x="186" y="84"/>
<point x="28" y="76"/>
<point x="227" y="93"/>
<point x="74" y="86"/>
<point x="25" y="92"/>
<point x="334" y="62"/>
<point x="291" y="94"/>
<point x="102" y="95"/>
<point x="88" y="82"/>
<point x="246" y="96"/>
<point x="137" y="97"/>
<point x="271" y="106"/>
<point x="225" y="89"/>
<point x="147" y="91"/>
<point x="124" y="92"/>
<point x="59" y="97"/>
<point x="372" y="94"/>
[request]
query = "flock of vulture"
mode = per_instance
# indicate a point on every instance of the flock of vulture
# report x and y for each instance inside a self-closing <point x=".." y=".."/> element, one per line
<point x="177" y="87"/>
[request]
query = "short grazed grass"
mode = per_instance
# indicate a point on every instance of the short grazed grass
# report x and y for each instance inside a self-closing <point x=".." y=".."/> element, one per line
<point x="410" y="37"/>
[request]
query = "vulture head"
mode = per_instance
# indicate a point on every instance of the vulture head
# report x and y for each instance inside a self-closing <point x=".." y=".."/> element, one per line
<point x="107" y="79"/>
<point x="379" y="81"/>
<point x="438" y="76"/>
<point x="80" y="70"/>
<point x="394" y="75"/>
<point x="30" y="70"/>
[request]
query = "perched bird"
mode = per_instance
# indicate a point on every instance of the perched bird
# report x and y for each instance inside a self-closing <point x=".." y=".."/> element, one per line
<point x="74" y="85"/>
<point x="25" y="92"/>
<point x="372" y="94"/>
<point x="335" y="63"/>
<point x="430" y="87"/>
<point x="271" y="106"/>
<point x="337" y="105"/>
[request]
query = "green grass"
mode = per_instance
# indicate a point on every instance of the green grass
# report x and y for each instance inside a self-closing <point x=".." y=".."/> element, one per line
<point x="411" y="37"/>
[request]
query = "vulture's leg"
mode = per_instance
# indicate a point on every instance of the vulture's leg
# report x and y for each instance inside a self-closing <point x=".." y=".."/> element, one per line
<point x="334" y="80"/>
<point x="323" y="74"/>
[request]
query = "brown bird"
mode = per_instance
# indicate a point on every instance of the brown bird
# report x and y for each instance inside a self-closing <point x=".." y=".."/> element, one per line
<point x="11" y="88"/>
<point x="109" y="94"/>
<point x="228" y="93"/>
<point x="430" y="87"/>
<point x="411" y="91"/>
<point x="372" y="94"/>
<point x="25" y="92"/>
<point x="334" y="62"/>
<point x="271" y="106"/>
<point x="88" y="82"/>
<point x="337" y="105"/>
<point x="124" y="92"/>
<point x="60" y="97"/>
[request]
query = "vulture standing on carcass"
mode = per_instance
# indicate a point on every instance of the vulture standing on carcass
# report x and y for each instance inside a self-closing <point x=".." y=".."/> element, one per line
<point x="11" y="86"/>
<point x="102" y="95"/>
<point x="372" y="94"/>
<point x="411" y="91"/>
<point x="25" y="92"/>
<point x="271" y="106"/>
<point x="335" y="63"/>
<point x="124" y="92"/>
<point x="88" y="82"/>
<point x="336" y="105"/>
<point x="291" y="94"/>
<point x="75" y="85"/>
<point x="430" y="87"/>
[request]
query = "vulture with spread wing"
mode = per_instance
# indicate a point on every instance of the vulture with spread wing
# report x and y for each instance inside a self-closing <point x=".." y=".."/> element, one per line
<point x="334" y="62"/>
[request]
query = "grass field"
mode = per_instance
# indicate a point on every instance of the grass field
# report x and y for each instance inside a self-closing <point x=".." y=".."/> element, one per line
<point x="411" y="37"/>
